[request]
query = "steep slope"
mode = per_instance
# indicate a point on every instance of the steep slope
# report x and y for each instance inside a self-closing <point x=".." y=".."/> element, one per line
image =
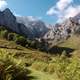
<point x="73" y="42"/>
<point x="22" y="25"/>
<point x="41" y="65"/>
<point x="60" y="33"/>
<point x="36" y="27"/>
<point x="9" y="20"/>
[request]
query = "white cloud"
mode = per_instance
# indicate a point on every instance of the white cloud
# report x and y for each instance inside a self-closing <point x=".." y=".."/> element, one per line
<point x="72" y="11"/>
<point x="52" y="11"/>
<point x="64" y="9"/>
<point x="62" y="4"/>
<point x="59" y="7"/>
<point x="32" y="18"/>
<point x="3" y="5"/>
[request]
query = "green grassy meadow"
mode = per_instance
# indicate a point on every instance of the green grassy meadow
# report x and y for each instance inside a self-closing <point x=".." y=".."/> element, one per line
<point x="31" y="64"/>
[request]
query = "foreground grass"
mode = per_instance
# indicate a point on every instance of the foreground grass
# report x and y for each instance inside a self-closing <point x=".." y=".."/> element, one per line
<point x="39" y="75"/>
<point x="12" y="68"/>
<point x="43" y="66"/>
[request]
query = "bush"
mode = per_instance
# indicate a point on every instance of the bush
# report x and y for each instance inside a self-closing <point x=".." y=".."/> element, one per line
<point x="11" y="36"/>
<point x="11" y="68"/>
<point x="2" y="28"/>
<point x="33" y="44"/>
<point x="21" y="40"/>
<point x="4" y="34"/>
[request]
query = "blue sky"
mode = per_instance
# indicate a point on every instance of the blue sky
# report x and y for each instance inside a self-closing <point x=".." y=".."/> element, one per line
<point x="36" y="8"/>
<point x="50" y="11"/>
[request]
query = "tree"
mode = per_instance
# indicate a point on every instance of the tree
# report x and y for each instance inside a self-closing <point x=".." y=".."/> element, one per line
<point x="34" y="44"/>
<point x="4" y="34"/>
<point x="2" y="28"/>
<point x="21" y="40"/>
<point x="11" y="36"/>
<point x="43" y="45"/>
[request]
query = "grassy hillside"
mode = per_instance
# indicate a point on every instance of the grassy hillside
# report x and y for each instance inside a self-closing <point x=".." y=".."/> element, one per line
<point x="72" y="42"/>
<point x="20" y="62"/>
<point x="42" y="66"/>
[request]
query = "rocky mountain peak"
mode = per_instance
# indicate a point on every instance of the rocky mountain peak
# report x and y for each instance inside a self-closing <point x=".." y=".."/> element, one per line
<point x="7" y="10"/>
<point x="63" y="31"/>
<point x="23" y="25"/>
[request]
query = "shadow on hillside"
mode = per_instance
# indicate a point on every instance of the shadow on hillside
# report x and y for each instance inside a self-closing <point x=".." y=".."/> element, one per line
<point x="25" y="76"/>
<point x="58" y="50"/>
<point x="29" y="76"/>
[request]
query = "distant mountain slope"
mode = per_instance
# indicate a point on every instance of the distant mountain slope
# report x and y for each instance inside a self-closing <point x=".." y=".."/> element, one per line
<point x="9" y="20"/>
<point x="22" y="25"/>
<point x="36" y="28"/>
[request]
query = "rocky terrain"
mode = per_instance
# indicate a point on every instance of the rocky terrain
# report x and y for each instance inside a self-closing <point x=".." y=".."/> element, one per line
<point x="26" y="59"/>
<point x="61" y="32"/>
<point x="37" y="29"/>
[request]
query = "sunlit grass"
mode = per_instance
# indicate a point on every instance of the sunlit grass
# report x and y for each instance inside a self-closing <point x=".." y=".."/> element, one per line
<point x="11" y="68"/>
<point x="43" y="66"/>
<point x="72" y="42"/>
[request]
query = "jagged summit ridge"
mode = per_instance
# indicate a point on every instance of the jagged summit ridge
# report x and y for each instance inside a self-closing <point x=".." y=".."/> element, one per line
<point x="37" y="28"/>
<point x="61" y="32"/>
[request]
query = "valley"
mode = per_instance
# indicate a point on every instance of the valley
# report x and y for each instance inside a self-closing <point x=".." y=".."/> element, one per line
<point x="42" y="65"/>
<point x="32" y="50"/>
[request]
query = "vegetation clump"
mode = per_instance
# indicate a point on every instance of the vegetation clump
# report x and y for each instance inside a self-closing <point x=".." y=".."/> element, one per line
<point x="11" y="68"/>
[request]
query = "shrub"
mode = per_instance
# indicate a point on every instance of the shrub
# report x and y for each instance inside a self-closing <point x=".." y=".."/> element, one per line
<point x="4" y="34"/>
<point x="21" y="40"/>
<point x="28" y="43"/>
<point x="33" y="44"/>
<point x="11" y="36"/>
<point x="11" y="68"/>
<point x="2" y="28"/>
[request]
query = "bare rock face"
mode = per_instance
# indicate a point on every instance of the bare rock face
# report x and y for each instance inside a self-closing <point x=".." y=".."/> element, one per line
<point x="36" y="28"/>
<point x="22" y="25"/>
<point x="62" y="32"/>
<point x="9" y="20"/>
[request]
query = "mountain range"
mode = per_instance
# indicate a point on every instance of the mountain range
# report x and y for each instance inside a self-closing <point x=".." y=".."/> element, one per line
<point x="23" y="25"/>
<point x="38" y="29"/>
<point x="61" y="32"/>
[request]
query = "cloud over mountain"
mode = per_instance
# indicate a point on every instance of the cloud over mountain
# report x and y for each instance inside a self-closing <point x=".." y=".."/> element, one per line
<point x="64" y="9"/>
<point x="3" y="4"/>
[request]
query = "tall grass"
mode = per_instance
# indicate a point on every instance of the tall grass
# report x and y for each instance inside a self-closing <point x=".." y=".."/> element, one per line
<point x="67" y="68"/>
<point x="11" y="68"/>
<point x="64" y="67"/>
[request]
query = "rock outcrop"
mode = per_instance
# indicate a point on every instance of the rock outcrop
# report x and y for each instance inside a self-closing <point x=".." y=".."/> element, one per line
<point x="62" y="32"/>
<point x="8" y="20"/>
